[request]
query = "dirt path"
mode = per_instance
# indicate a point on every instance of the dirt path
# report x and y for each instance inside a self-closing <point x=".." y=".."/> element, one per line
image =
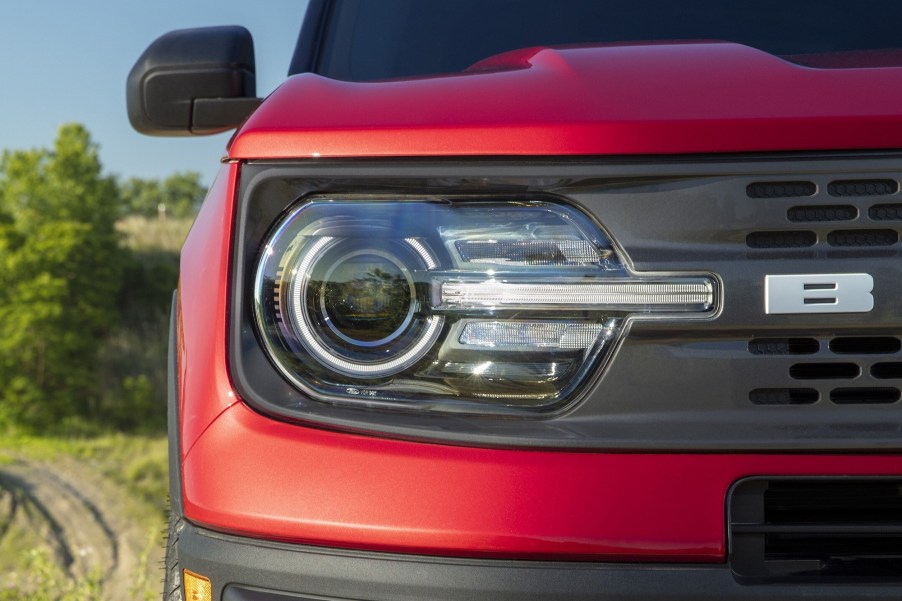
<point x="79" y="515"/>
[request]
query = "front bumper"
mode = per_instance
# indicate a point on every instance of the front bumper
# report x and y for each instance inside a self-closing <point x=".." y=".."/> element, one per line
<point x="243" y="569"/>
<point x="254" y="476"/>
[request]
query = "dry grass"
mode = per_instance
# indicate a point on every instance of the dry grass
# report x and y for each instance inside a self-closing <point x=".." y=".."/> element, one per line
<point x="142" y="233"/>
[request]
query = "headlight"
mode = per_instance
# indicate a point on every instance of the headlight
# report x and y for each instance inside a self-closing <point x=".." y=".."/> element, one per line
<point x="449" y="304"/>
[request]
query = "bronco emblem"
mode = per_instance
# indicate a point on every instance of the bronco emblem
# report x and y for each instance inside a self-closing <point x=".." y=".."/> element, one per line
<point x="816" y="293"/>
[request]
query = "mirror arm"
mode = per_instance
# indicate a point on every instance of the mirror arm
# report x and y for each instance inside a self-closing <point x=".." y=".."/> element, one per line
<point x="214" y="115"/>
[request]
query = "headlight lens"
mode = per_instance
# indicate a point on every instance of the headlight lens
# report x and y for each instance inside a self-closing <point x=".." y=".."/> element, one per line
<point x="353" y="305"/>
<point x="454" y="305"/>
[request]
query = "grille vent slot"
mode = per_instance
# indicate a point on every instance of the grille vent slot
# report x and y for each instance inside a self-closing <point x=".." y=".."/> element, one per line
<point x="865" y="345"/>
<point x="822" y="213"/>
<point x="886" y="212"/>
<point x="816" y="530"/>
<point x="824" y="371"/>
<point x="784" y="346"/>
<point x="780" y="189"/>
<point x="827" y="374"/>
<point x="863" y="187"/>
<point x="798" y="239"/>
<point x="864" y="396"/>
<point x="784" y="396"/>
<point x="887" y="371"/>
<point x="829" y="213"/>
<point x="847" y="238"/>
<point x="838" y="238"/>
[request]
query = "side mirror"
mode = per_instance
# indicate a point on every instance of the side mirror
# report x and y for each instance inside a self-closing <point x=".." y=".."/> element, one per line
<point x="193" y="81"/>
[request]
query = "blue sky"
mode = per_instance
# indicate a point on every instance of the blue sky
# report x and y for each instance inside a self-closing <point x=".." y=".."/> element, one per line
<point x="67" y="62"/>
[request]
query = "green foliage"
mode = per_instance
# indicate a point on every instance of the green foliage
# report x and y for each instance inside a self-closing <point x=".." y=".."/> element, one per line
<point x="84" y="292"/>
<point x="64" y="183"/>
<point x="180" y="194"/>
<point x="132" y="362"/>
<point x="60" y="275"/>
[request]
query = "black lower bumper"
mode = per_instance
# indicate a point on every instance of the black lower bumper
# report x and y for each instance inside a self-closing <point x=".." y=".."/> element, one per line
<point x="243" y="569"/>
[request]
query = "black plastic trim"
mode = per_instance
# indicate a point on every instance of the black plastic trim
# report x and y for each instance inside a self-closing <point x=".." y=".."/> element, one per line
<point x="193" y="82"/>
<point x="815" y="530"/>
<point x="172" y="414"/>
<point x="243" y="569"/>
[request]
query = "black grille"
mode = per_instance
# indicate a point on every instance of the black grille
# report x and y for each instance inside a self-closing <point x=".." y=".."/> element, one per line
<point x="822" y="213"/>
<point x="864" y="396"/>
<point x="799" y="239"/>
<point x="886" y="212"/>
<point x="781" y="189"/>
<point x="829" y="530"/>
<point x="887" y="371"/>
<point x="831" y="379"/>
<point x="863" y="238"/>
<point x="784" y="346"/>
<point x="865" y="345"/>
<point x="824" y="371"/>
<point x="784" y="396"/>
<point x="856" y="207"/>
<point x="863" y="187"/>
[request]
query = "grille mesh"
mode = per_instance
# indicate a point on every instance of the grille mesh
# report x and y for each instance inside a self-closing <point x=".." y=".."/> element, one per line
<point x="798" y="239"/>
<point x="784" y="396"/>
<point x="784" y="346"/>
<point x="822" y="213"/>
<point x="863" y="187"/>
<point x="781" y="189"/>
<point x="866" y="238"/>
<point x="887" y="212"/>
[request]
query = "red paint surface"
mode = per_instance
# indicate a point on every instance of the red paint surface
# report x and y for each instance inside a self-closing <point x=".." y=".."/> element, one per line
<point x="205" y="389"/>
<point x="611" y="100"/>
<point x="255" y="476"/>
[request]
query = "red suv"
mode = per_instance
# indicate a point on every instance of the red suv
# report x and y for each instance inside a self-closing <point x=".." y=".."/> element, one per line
<point x="528" y="299"/>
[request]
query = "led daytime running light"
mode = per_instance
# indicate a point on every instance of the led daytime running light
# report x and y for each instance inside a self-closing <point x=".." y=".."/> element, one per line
<point x="672" y="296"/>
<point x="526" y="335"/>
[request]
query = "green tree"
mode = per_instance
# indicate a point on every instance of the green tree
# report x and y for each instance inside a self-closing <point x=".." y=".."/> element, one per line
<point x="180" y="194"/>
<point x="60" y="274"/>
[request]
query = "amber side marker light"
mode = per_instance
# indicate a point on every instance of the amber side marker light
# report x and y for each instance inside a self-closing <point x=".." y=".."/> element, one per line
<point x="197" y="587"/>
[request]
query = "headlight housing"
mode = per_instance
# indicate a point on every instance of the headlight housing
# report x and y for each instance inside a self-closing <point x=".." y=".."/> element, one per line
<point x="450" y="304"/>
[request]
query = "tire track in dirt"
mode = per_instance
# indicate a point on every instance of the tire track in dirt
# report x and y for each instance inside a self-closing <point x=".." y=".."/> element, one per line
<point x="8" y="509"/>
<point x="82" y="512"/>
<point x="24" y="501"/>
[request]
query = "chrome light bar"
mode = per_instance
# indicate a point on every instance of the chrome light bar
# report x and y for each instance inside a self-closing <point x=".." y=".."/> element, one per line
<point x="676" y="295"/>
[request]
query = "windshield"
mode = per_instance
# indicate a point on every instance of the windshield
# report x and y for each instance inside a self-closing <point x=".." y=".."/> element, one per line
<point x="381" y="39"/>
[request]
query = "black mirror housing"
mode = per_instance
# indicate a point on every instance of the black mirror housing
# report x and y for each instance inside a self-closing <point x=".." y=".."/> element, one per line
<point x="193" y="82"/>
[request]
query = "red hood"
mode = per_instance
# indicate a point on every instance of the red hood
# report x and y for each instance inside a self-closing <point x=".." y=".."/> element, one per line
<point x="613" y="100"/>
